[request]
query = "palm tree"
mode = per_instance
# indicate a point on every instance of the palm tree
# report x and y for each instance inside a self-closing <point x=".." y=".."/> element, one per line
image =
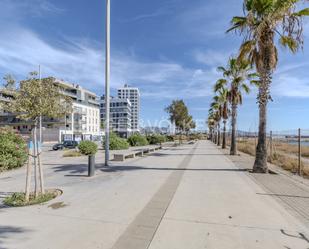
<point x="236" y="74"/>
<point x="211" y="125"/>
<point x="222" y="101"/>
<point x="263" y="21"/>
<point x="217" y="108"/>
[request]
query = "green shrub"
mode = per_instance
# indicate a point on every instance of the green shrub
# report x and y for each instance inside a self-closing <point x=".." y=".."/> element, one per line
<point x="116" y="143"/>
<point x="170" y="138"/>
<point x="19" y="199"/>
<point x="156" y="139"/>
<point x="72" y="153"/>
<point x="13" y="150"/>
<point x="88" y="148"/>
<point x="137" y="140"/>
<point x="196" y="136"/>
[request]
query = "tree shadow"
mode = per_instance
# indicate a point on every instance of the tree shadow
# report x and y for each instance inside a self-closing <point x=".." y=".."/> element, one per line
<point x="135" y="168"/>
<point x="75" y="170"/>
<point x="3" y="195"/>
<point x="186" y="154"/>
<point x="72" y="168"/>
<point x="9" y="231"/>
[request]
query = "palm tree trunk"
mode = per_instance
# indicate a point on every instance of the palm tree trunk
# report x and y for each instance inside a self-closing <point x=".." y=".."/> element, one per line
<point x="233" y="149"/>
<point x="260" y="164"/>
<point x="219" y="136"/>
<point x="224" y="135"/>
<point x="264" y="67"/>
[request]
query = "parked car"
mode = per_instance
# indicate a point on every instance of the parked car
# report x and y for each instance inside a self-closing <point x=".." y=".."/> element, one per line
<point x="65" y="144"/>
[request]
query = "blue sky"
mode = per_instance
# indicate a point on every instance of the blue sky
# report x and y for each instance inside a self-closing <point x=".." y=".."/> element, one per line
<point x="168" y="48"/>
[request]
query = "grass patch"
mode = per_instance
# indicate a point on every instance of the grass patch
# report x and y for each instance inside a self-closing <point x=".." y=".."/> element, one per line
<point x="72" y="153"/>
<point x="19" y="199"/>
<point x="280" y="158"/>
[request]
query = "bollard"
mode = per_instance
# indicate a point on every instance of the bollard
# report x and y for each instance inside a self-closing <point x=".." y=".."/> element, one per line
<point x="91" y="165"/>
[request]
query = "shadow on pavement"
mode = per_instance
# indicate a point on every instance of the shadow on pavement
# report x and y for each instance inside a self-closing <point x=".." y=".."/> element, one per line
<point x="284" y="195"/>
<point x="72" y="169"/>
<point x="185" y="154"/>
<point x="131" y="168"/>
<point x="8" y="231"/>
<point x="75" y="170"/>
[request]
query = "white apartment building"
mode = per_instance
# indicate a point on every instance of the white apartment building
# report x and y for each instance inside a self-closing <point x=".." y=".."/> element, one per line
<point x="82" y="124"/>
<point x="120" y="115"/>
<point x="133" y="95"/>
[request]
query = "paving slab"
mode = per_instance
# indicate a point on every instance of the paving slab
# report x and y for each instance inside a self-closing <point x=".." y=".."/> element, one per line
<point x="186" y="197"/>
<point x="219" y="206"/>
<point x="93" y="212"/>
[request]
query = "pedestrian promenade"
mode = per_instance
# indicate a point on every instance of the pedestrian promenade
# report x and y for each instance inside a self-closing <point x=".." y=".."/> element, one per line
<point x="187" y="197"/>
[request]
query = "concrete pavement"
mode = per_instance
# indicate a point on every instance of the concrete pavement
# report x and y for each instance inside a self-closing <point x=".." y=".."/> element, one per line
<point x="185" y="197"/>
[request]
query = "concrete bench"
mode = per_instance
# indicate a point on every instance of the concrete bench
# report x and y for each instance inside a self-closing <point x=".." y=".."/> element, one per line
<point x="123" y="156"/>
<point x="133" y="154"/>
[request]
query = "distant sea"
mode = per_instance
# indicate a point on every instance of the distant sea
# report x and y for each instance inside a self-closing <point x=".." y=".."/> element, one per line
<point x="303" y="143"/>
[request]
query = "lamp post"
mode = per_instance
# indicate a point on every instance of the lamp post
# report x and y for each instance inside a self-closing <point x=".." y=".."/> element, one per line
<point x="40" y="120"/>
<point x="107" y="79"/>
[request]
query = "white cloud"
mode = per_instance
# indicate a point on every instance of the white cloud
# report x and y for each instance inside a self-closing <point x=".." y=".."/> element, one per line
<point x="157" y="13"/>
<point x="209" y="19"/>
<point x="291" y="86"/>
<point x="211" y="57"/>
<point x="16" y="10"/>
<point x="22" y="50"/>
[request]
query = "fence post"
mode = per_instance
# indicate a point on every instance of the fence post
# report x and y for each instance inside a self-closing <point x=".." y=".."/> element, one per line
<point x="299" y="152"/>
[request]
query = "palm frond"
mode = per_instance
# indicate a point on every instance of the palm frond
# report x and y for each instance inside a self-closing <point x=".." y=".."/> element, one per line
<point x="245" y="88"/>
<point x="303" y="12"/>
<point x="219" y="84"/>
<point x="289" y="42"/>
<point x="238" y="23"/>
<point x="245" y="49"/>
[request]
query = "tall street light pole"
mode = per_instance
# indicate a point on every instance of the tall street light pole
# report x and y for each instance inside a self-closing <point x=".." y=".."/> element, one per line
<point x="40" y="135"/>
<point x="107" y="79"/>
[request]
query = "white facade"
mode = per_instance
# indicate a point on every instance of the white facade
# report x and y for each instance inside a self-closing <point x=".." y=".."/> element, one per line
<point x="84" y="121"/>
<point x="133" y="95"/>
<point x="120" y="115"/>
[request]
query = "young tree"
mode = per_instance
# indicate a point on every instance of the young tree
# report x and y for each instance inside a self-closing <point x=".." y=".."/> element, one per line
<point x="263" y="21"/>
<point x="9" y="82"/>
<point x="236" y="75"/>
<point x="179" y="115"/>
<point x="35" y="98"/>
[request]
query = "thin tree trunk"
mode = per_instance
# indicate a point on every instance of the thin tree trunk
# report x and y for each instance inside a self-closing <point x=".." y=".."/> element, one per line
<point x="28" y="177"/>
<point x="233" y="148"/>
<point x="41" y="172"/>
<point x="224" y="135"/>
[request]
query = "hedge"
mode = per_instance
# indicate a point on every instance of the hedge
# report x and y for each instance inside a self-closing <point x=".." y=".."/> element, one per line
<point x="13" y="150"/>
<point x="88" y="148"/>
<point x="137" y="140"/>
<point x="156" y="139"/>
<point x="116" y="143"/>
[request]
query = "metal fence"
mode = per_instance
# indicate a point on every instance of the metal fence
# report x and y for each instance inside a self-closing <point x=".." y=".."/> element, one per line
<point x="289" y="149"/>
